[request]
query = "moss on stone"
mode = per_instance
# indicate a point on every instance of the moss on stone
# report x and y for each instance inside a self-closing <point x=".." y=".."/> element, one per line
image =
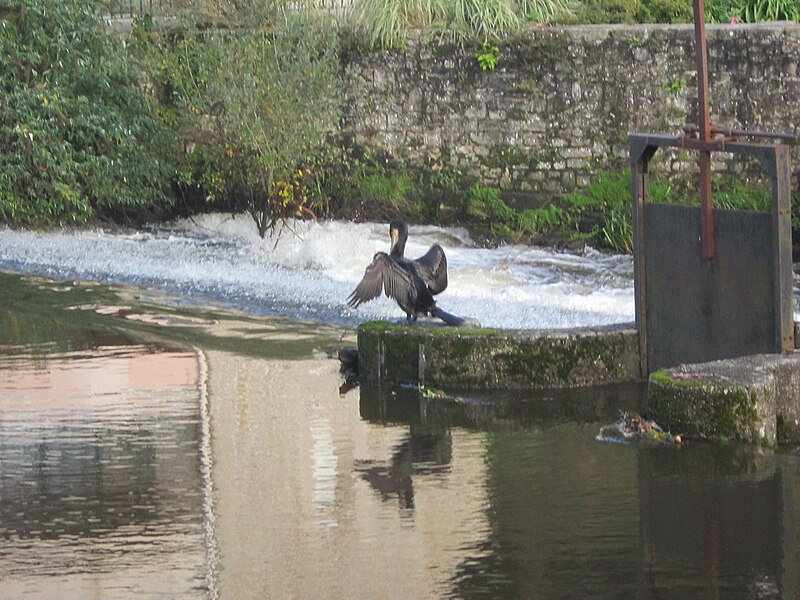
<point x="464" y="331"/>
<point x="704" y="409"/>
<point x="665" y="378"/>
<point x="786" y="429"/>
<point x="492" y="358"/>
<point x="501" y="156"/>
<point x="401" y="354"/>
<point x="541" y="48"/>
<point x="378" y="326"/>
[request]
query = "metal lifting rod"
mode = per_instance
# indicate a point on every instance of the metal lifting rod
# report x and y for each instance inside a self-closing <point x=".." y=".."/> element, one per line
<point x="707" y="236"/>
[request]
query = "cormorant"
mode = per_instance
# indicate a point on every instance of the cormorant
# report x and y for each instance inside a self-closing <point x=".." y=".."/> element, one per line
<point x="412" y="283"/>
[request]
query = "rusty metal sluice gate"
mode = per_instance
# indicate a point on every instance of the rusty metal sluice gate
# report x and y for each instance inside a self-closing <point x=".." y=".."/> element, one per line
<point x="710" y="283"/>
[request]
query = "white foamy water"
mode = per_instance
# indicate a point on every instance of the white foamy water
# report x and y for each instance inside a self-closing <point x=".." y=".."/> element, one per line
<point x="308" y="273"/>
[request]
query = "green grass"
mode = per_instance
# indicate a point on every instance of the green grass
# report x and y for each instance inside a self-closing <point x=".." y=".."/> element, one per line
<point x="601" y="213"/>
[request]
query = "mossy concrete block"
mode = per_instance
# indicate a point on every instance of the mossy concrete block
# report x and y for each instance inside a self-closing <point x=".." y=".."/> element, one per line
<point x="752" y="398"/>
<point x="478" y="358"/>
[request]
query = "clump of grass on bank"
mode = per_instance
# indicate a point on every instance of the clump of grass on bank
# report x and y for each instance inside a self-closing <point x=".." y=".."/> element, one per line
<point x="600" y="215"/>
<point x="361" y="186"/>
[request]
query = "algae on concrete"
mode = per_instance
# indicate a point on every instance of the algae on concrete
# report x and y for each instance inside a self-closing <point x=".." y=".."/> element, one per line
<point x="708" y="409"/>
<point x="480" y="358"/>
<point x="752" y="398"/>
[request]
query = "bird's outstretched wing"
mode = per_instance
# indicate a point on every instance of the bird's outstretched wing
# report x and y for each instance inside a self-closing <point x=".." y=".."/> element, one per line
<point x="384" y="274"/>
<point x="433" y="268"/>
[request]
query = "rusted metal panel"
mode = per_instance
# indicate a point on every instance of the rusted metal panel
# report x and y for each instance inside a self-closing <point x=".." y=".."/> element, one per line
<point x="640" y="155"/>
<point x="707" y="237"/>
<point x="700" y="310"/>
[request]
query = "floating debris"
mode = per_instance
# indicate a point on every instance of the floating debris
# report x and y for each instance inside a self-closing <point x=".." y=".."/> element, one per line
<point x="437" y="394"/>
<point x="633" y="427"/>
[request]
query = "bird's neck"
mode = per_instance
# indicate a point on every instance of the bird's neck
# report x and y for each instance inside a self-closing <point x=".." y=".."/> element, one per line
<point x="398" y="248"/>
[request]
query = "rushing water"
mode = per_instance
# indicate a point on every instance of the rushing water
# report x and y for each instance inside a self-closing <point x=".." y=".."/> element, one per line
<point x="152" y="448"/>
<point x="308" y="272"/>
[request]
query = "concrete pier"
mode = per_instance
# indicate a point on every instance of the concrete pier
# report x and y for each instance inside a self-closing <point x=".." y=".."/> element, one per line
<point x="479" y="358"/>
<point x="753" y="398"/>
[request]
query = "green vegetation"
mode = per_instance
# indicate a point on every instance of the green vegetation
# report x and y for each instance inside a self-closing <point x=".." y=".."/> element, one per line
<point x="674" y="87"/>
<point x="236" y="106"/>
<point x="600" y="214"/>
<point x="359" y="185"/>
<point x="78" y="131"/>
<point x="753" y="11"/>
<point x="488" y="56"/>
<point x="254" y="107"/>
<point x="634" y="11"/>
<point x="680" y="11"/>
<point x="385" y="22"/>
<point x="93" y="126"/>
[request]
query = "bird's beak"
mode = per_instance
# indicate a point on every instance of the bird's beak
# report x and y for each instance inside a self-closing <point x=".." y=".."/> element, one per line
<point x="393" y="235"/>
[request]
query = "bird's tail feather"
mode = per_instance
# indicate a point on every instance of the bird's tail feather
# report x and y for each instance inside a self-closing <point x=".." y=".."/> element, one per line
<point x="447" y="317"/>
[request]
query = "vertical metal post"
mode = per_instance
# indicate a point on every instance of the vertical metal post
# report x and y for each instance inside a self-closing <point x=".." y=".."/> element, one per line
<point x="779" y="166"/>
<point x="421" y="364"/>
<point x="704" y="129"/>
<point x="639" y="194"/>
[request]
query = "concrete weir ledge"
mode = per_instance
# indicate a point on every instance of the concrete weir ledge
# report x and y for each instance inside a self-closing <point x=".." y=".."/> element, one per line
<point x="479" y="358"/>
<point x="753" y="398"/>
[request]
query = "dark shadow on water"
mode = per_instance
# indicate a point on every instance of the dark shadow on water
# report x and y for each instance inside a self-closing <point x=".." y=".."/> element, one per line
<point x="508" y="410"/>
<point x="572" y="517"/>
<point x="423" y="452"/>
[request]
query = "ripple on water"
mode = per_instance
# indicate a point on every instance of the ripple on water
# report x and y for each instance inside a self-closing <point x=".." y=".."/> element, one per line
<point x="100" y="475"/>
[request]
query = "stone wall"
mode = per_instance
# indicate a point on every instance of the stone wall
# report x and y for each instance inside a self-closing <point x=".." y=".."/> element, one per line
<point x="562" y="101"/>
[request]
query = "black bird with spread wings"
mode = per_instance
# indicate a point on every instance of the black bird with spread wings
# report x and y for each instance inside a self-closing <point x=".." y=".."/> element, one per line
<point x="412" y="283"/>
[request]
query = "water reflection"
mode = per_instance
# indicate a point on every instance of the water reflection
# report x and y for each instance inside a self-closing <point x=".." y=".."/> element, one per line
<point x="313" y="501"/>
<point x="725" y="526"/>
<point x="238" y="470"/>
<point x="573" y="518"/>
<point x="422" y="452"/>
<point x="100" y="477"/>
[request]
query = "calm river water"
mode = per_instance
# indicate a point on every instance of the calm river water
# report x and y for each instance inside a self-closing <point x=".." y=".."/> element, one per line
<point x="150" y="448"/>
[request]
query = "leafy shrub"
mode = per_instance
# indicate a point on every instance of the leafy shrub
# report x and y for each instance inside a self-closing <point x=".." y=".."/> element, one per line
<point x="488" y="56"/>
<point x="77" y="128"/>
<point x="544" y="11"/>
<point x="606" y="11"/>
<point x="255" y="107"/>
<point x="666" y="11"/>
<point x="484" y="203"/>
<point x="392" y="190"/>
